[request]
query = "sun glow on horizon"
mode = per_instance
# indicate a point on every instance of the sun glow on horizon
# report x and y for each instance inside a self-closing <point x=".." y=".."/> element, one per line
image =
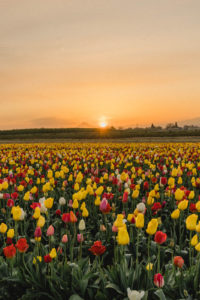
<point x="103" y="122"/>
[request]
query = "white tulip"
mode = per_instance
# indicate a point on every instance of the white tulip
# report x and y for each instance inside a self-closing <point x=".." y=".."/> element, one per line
<point x="23" y="214"/>
<point x="62" y="201"/>
<point x="141" y="207"/>
<point x="135" y="295"/>
<point x="81" y="225"/>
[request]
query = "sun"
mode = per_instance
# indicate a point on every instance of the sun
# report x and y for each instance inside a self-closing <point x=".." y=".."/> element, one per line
<point x="103" y="124"/>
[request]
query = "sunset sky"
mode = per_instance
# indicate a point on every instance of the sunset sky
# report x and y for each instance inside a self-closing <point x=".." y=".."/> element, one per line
<point x="69" y="63"/>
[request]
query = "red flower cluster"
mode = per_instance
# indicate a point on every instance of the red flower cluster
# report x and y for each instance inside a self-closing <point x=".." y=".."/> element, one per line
<point x="35" y="204"/>
<point x="105" y="207"/>
<point x="9" y="251"/>
<point x="163" y="180"/>
<point x="146" y="186"/>
<point x="22" y="245"/>
<point x="97" y="248"/>
<point x="156" y="207"/>
<point x="193" y="207"/>
<point x="47" y="258"/>
<point x="69" y="217"/>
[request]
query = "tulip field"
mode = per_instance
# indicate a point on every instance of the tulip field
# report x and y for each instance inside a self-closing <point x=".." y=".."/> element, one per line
<point x="100" y="221"/>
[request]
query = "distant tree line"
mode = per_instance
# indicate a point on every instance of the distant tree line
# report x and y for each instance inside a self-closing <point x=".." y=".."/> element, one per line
<point x="171" y="130"/>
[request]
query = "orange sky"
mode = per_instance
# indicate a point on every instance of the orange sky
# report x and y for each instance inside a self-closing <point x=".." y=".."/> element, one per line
<point x="72" y="63"/>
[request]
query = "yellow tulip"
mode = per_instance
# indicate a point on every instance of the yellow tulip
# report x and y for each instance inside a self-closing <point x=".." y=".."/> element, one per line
<point x="34" y="190"/>
<point x="135" y="194"/>
<point x="97" y="201"/>
<point x="20" y="188"/>
<point x="119" y="221"/>
<point x="191" y="222"/>
<point x="198" y="206"/>
<point x="10" y="233"/>
<point x="139" y="221"/>
<point x="122" y="236"/>
<point x="198" y="227"/>
<point x="179" y="194"/>
<point x="183" y="205"/>
<point x="41" y="221"/>
<point x="130" y="217"/>
<point x="16" y="212"/>
<point x="27" y="196"/>
<point x="194" y="240"/>
<point x="180" y="181"/>
<point x="3" y="228"/>
<point x="152" y="227"/>
<point x="36" y="214"/>
<point x="175" y="214"/>
<point x="99" y="191"/>
<point x="197" y="247"/>
<point x="150" y="200"/>
<point x="85" y="213"/>
<point x="149" y="266"/>
<point x="53" y="253"/>
<point x="48" y="203"/>
<point x="191" y="195"/>
<point x="75" y="204"/>
<point x="5" y="185"/>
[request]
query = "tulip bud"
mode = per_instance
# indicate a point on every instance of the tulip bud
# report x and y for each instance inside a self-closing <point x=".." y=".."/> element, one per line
<point x="64" y="239"/>
<point x="114" y="228"/>
<point x="50" y="231"/>
<point x="38" y="232"/>
<point x="80" y="237"/>
<point x="102" y="227"/>
<point x="62" y="201"/>
<point x="81" y="225"/>
<point x="158" y="280"/>
<point x="178" y="261"/>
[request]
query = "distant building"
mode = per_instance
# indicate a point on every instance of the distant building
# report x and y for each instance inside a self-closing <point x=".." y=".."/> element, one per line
<point x="191" y="127"/>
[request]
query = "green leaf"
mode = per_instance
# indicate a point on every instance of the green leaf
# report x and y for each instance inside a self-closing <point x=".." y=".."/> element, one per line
<point x="100" y="296"/>
<point x="114" y="287"/>
<point x="160" y="294"/>
<point x="75" y="297"/>
<point x="145" y="297"/>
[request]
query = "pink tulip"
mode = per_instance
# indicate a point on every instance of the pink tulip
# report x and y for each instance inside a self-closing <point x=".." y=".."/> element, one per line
<point x="50" y="231"/>
<point x="80" y="238"/>
<point x="70" y="203"/>
<point x="64" y="239"/>
<point x="114" y="229"/>
<point x="103" y="204"/>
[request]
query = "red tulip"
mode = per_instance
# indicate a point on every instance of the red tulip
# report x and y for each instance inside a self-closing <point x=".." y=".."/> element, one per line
<point x="160" y="237"/>
<point x="178" y="261"/>
<point x="66" y="218"/>
<point x="47" y="258"/>
<point x="9" y="251"/>
<point x="22" y="245"/>
<point x="158" y="280"/>
<point x="97" y="248"/>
